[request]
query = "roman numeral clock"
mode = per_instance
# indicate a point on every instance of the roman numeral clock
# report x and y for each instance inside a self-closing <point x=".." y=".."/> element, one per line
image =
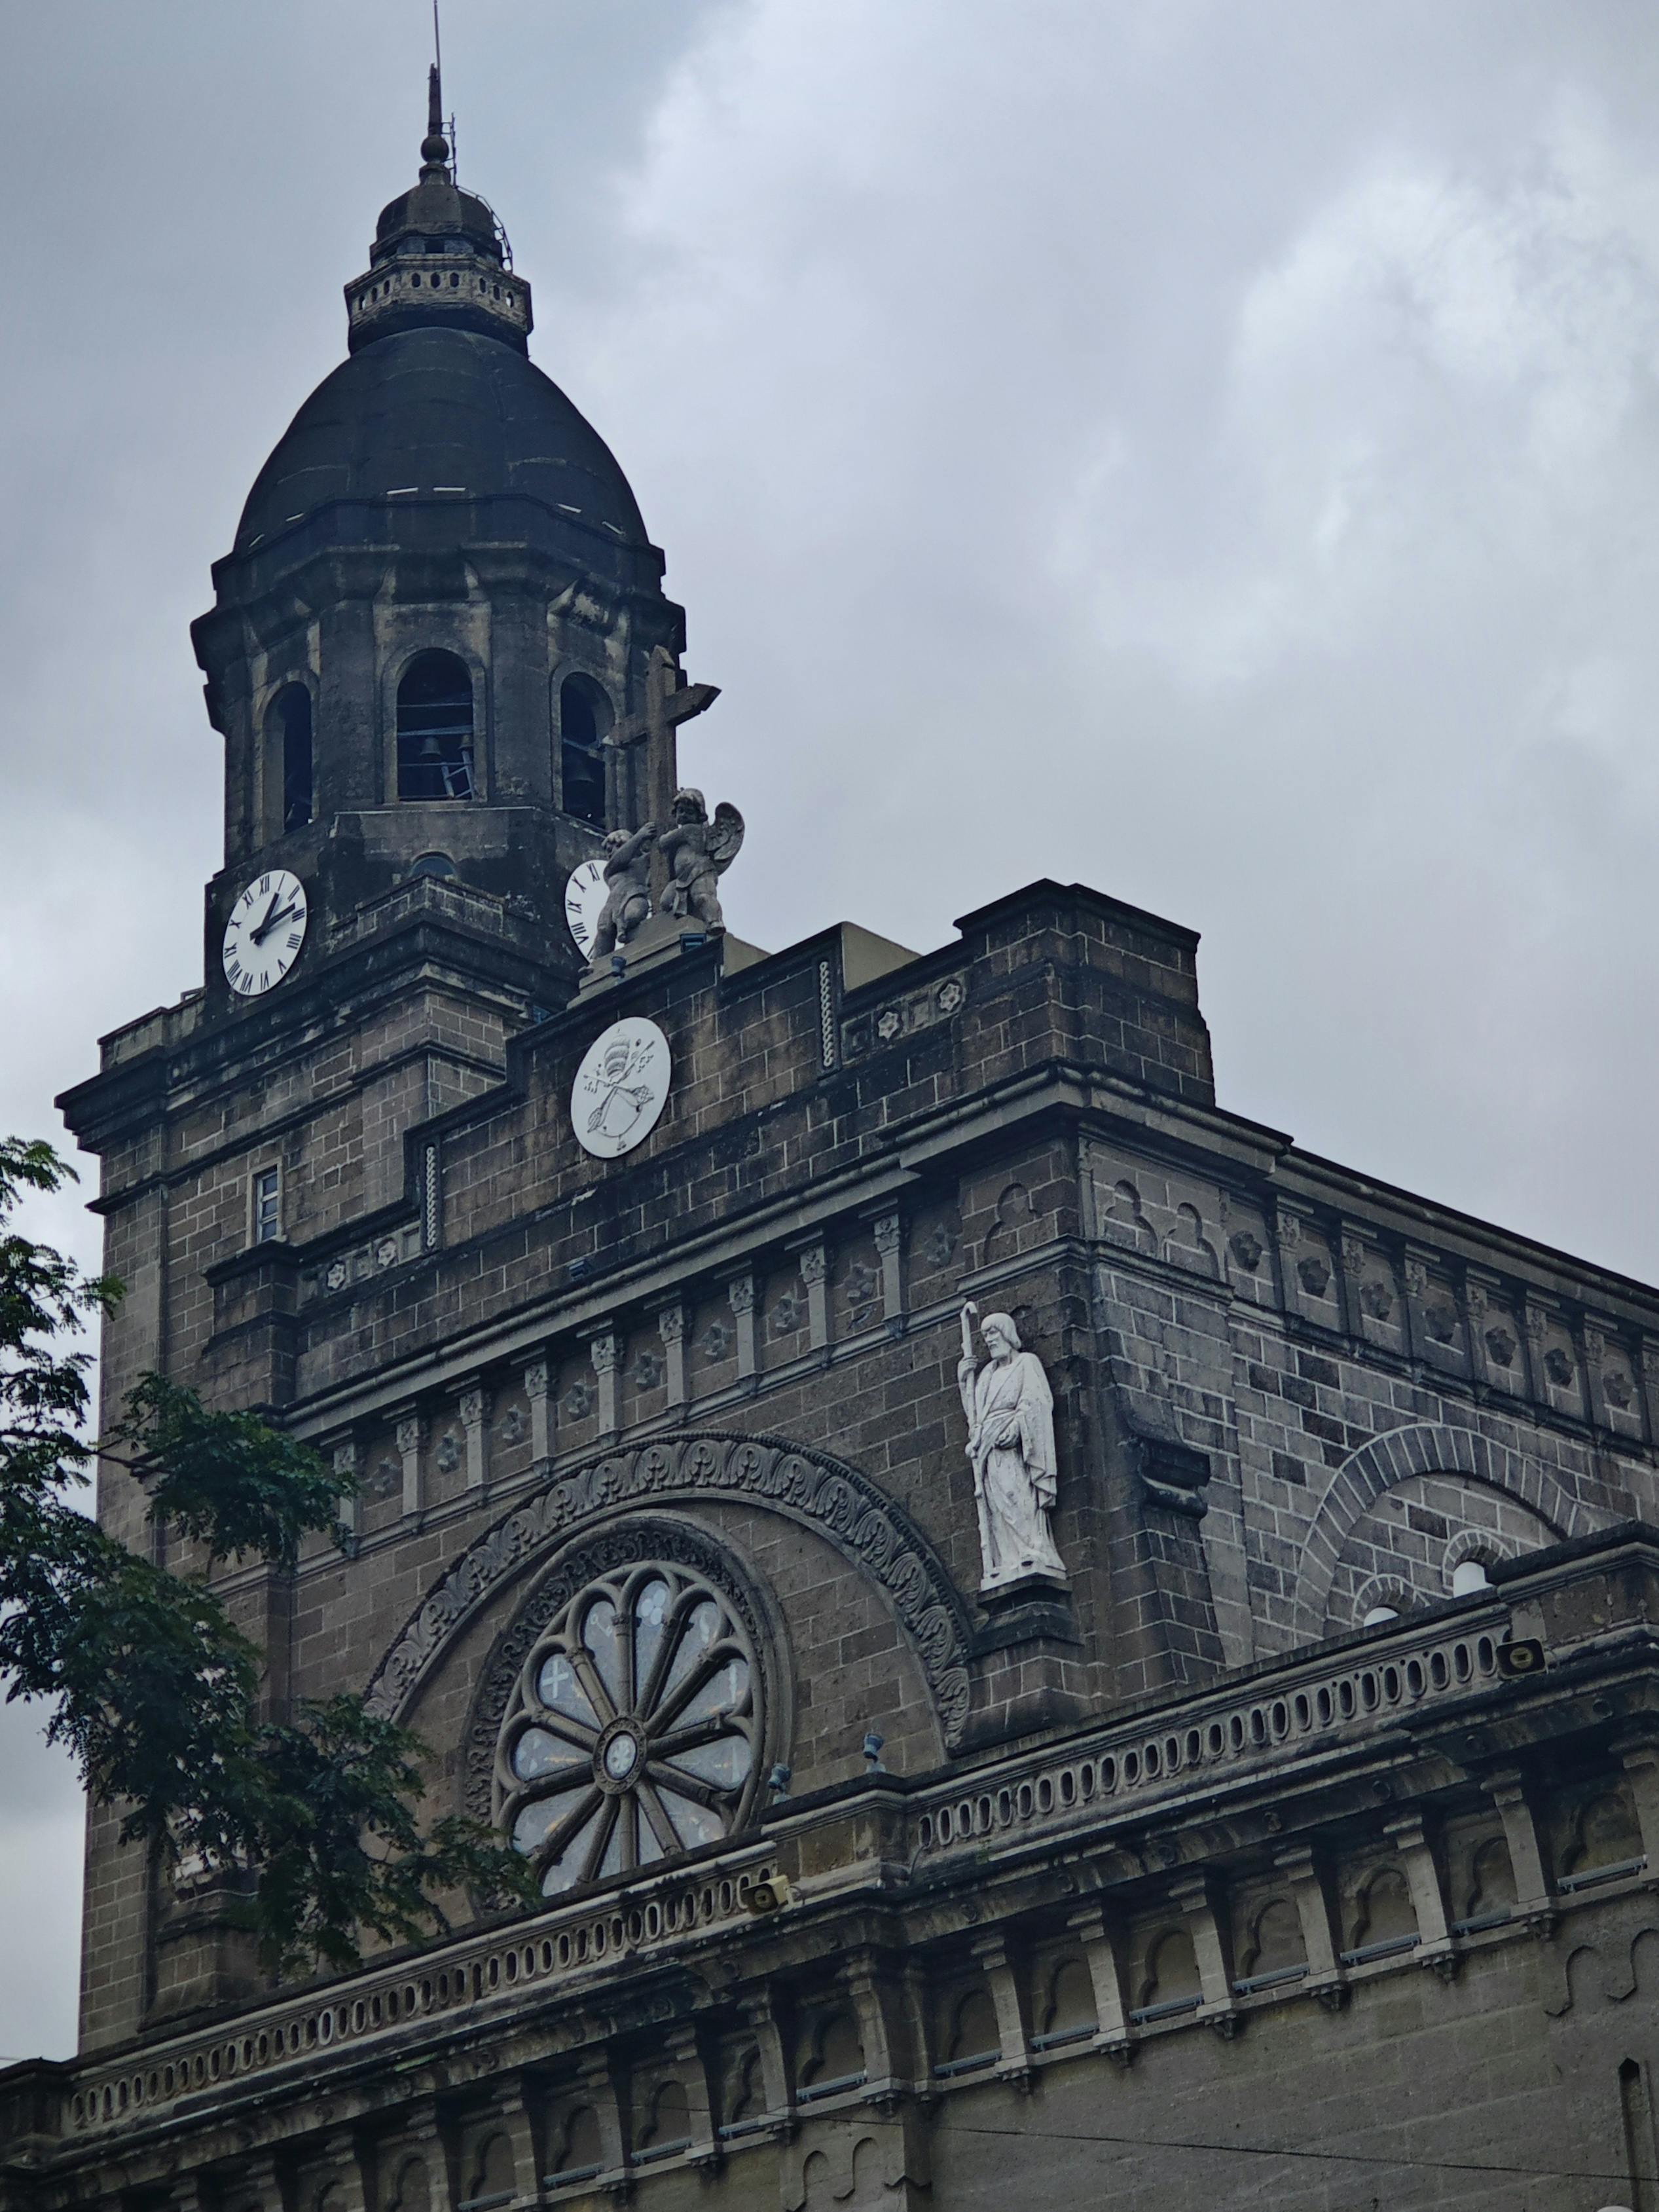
<point x="264" y="933"/>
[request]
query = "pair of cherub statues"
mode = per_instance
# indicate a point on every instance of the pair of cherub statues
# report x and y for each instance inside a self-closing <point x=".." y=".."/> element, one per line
<point x="697" y="852"/>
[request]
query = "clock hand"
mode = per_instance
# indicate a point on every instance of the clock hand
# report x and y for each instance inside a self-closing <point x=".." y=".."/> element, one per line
<point x="258" y="936"/>
<point x="270" y="922"/>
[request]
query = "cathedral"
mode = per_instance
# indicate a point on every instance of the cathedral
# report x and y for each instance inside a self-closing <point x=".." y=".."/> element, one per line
<point x="1046" y="1646"/>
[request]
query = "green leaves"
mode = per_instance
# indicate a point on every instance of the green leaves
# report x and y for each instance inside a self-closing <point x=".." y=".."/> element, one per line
<point x="339" y="1848"/>
<point x="153" y="1687"/>
<point x="230" y="1480"/>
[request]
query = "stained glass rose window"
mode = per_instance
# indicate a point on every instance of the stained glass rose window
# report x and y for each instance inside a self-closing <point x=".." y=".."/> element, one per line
<point x="634" y="1732"/>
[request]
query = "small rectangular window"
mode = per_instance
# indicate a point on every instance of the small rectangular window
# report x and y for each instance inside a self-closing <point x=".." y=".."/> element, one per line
<point x="267" y="1205"/>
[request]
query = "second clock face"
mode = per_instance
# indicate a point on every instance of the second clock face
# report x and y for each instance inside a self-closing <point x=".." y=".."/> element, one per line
<point x="621" y="1088"/>
<point x="585" y="894"/>
<point x="265" y="931"/>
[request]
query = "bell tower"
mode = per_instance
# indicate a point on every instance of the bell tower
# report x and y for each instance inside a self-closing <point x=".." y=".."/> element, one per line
<point x="440" y="600"/>
<point x="439" y="605"/>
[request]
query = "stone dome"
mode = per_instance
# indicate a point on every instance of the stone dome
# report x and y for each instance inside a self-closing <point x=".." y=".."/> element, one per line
<point x="440" y="409"/>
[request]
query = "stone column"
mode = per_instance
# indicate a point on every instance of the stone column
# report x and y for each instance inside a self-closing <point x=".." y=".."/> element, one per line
<point x="474" y="1408"/>
<point x="1093" y="1929"/>
<point x="344" y="2168"/>
<point x="538" y="1394"/>
<point x="597" y="2085"/>
<point x="670" y="1327"/>
<point x="1201" y="1903"/>
<point x="1301" y="1870"/>
<point x="815" y="1273"/>
<point x="889" y="1230"/>
<point x="918" y="2027"/>
<point x="1287" y="1242"/>
<point x="1012" y="1999"/>
<point x="604" y="1350"/>
<point x="1411" y="1840"/>
<point x="1534" y="1323"/>
<point x="424" y="2134"/>
<point x="1641" y="1763"/>
<point x="877" y="2004"/>
<point x="764" y="2015"/>
<point x="1350" y="1258"/>
<point x="1508" y="1791"/>
<point x="1477" y="1302"/>
<point x="740" y="1292"/>
<point x="684" y="2047"/>
<point x="511" y="2105"/>
<point x="1593" y="1342"/>
<point x="347" y="1461"/>
<point x="410" y="1437"/>
<point x="1415" y="1274"/>
<point x="1648" y="1372"/>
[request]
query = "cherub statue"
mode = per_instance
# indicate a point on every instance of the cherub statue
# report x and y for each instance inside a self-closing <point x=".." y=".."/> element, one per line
<point x="1010" y="1412"/>
<point x="627" y="873"/>
<point x="698" y="852"/>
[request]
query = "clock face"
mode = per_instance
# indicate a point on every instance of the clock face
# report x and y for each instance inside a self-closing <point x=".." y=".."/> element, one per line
<point x="621" y="1088"/>
<point x="585" y="894"/>
<point x="262" y="937"/>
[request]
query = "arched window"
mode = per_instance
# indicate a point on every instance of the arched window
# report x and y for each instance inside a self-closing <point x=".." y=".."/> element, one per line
<point x="434" y="728"/>
<point x="584" y="720"/>
<point x="288" y="739"/>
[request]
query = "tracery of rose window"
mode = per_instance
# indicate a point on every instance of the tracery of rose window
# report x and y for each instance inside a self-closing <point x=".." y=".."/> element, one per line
<point x="634" y="1733"/>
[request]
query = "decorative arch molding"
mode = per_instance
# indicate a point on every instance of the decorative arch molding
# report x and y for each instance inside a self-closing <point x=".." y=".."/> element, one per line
<point x="870" y="1530"/>
<point x="1420" y="1449"/>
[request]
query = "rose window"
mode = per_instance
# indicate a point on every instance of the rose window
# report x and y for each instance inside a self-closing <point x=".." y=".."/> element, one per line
<point x="634" y="1733"/>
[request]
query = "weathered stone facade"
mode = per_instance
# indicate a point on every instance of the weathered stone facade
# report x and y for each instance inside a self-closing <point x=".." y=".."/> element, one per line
<point x="1125" y="1885"/>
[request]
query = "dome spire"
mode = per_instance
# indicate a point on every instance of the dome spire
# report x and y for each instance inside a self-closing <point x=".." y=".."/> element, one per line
<point x="439" y="256"/>
<point x="434" y="146"/>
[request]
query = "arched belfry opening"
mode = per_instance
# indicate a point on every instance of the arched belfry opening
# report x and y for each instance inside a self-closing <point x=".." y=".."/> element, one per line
<point x="585" y="720"/>
<point x="434" y="728"/>
<point x="288" y="759"/>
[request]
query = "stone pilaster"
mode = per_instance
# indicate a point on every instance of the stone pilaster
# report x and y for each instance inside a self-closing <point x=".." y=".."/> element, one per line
<point x="411" y="1435"/>
<point x="1011" y="1998"/>
<point x="539" y="1395"/>
<point x="889" y="1230"/>
<point x="1641" y="1764"/>
<point x="1104" y="1956"/>
<point x="740" y="1295"/>
<point x="765" y="2016"/>
<point x="1417" y="1856"/>
<point x="473" y="1405"/>
<point x="348" y="1464"/>
<point x="1508" y="1791"/>
<point x="670" y="1327"/>
<point x="1306" y="1875"/>
<point x="604" y="1350"/>
<point x="1203" y="1908"/>
<point x="815" y="1273"/>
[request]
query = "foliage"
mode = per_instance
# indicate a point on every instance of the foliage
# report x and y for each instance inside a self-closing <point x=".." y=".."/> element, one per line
<point x="158" y="1694"/>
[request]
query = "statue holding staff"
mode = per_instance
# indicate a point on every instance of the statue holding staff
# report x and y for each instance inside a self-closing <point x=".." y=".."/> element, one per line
<point x="1010" y="1410"/>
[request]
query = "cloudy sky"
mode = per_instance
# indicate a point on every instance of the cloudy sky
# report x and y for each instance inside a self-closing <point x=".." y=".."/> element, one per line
<point x="1207" y="451"/>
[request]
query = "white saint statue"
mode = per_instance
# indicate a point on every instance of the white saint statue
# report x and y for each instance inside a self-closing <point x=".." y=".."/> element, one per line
<point x="1011" y="1442"/>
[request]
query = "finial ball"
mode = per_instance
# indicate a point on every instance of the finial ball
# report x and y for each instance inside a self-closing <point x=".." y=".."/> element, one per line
<point x="435" y="149"/>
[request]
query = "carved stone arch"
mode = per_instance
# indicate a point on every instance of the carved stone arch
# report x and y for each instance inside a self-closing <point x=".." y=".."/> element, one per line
<point x="871" y="1530"/>
<point x="1423" y="1449"/>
